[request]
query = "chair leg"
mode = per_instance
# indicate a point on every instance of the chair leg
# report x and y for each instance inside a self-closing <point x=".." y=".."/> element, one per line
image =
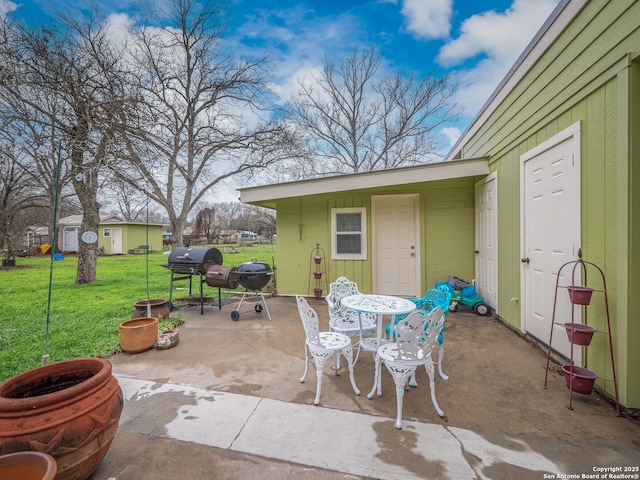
<point x="430" y="372"/>
<point x="400" y="376"/>
<point x="440" y="356"/>
<point x="412" y="380"/>
<point x="306" y="363"/>
<point x="320" y="362"/>
<point x="348" y="354"/>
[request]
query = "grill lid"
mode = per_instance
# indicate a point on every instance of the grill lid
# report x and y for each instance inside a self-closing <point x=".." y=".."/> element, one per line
<point x="254" y="275"/>
<point x="193" y="260"/>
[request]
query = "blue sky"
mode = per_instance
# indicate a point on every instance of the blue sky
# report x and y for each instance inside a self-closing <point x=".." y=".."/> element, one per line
<point x="477" y="41"/>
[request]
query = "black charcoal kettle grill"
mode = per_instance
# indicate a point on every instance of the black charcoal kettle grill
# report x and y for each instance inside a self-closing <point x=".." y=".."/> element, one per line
<point x="253" y="276"/>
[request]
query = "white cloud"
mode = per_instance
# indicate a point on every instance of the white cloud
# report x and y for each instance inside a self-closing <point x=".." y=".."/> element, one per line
<point x="452" y="134"/>
<point x="6" y="7"/>
<point x="497" y="39"/>
<point x="428" y="19"/>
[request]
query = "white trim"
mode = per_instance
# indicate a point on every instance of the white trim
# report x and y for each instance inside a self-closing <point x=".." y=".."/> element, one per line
<point x="359" y="181"/>
<point x="567" y="133"/>
<point x="363" y="234"/>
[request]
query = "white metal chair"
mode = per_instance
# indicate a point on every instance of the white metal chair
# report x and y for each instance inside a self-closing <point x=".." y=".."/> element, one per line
<point x="416" y="336"/>
<point x="322" y="346"/>
<point x="344" y="320"/>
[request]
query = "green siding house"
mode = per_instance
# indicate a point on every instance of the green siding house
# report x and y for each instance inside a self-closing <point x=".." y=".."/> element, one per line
<point x="115" y="236"/>
<point x="547" y="171"/>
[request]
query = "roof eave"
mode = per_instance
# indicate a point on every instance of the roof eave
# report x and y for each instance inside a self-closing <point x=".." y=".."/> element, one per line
<point x="266" y="195"/>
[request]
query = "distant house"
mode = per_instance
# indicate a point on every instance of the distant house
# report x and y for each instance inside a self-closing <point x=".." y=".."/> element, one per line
<point x="37" y="236"/>
<point x="229" y="236"/>
<point x="247" y="236"/>
<point x="115" y="235"/>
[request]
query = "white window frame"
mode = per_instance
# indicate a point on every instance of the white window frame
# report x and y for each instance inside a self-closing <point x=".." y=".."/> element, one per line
<point x="363" y="234"/>
<point x="106" y="232"/>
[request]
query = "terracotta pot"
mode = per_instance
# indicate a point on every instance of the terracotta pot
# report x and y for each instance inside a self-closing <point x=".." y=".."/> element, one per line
<point x="317" y="275"/>
<point x="28" y="466"/>
<point x="317" y="260"/>
<point x="317" y="293"/>
<point x="69" y="410"/>
<point x="159" y="308"/>
<point x="139" y="334"/>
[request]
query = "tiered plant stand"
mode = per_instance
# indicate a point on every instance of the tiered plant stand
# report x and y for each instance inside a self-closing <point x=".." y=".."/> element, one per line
<point x="580" y="379"/>
<point x="317" y="272"/>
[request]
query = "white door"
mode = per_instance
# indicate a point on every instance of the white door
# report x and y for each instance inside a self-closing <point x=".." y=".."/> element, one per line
<point x="550" y="235"/>
<point x="116" y="241"/>
<point x="396" y="252"/>
<point x="487" y="240"/>
<point x="70" y="239"/>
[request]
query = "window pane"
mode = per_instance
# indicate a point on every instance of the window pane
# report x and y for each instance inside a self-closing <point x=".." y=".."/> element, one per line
<point x="348" y="243"/>
<point x="348" y="222"/>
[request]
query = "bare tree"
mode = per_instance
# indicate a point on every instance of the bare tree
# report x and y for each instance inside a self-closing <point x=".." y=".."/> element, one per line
<point x="68" y="83"/>
<point x="352" y="119"/>
<point x="206" y="223"/>
<point x="200" y="119"/>
<point x="15" y="198"/>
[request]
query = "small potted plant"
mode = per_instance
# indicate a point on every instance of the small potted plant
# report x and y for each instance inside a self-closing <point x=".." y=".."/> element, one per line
<point x="9" y="259"/>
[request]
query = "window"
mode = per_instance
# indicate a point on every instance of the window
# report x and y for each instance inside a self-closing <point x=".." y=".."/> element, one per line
<point x="348" y="233"/>
<point x="106" y="232"/>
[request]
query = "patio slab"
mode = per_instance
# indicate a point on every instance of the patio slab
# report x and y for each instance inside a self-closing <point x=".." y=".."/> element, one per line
<point x="227" y="403"/>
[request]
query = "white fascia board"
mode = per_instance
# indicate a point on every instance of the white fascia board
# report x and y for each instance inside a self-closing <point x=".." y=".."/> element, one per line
<point x="360" y="181"/>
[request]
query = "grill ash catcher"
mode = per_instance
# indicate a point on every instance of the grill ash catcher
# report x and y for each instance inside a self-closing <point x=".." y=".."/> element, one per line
<point x="253" y="276"/>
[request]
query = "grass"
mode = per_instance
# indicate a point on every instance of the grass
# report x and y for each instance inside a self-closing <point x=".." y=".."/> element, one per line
<point x="83" y="319"/>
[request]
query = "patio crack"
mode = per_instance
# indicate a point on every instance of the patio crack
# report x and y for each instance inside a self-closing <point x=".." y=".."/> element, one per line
<point x="475" y="463"/>
<point x="248" y="419"/>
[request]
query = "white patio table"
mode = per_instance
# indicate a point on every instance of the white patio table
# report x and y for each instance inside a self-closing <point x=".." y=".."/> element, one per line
<point x="379" y="305"/>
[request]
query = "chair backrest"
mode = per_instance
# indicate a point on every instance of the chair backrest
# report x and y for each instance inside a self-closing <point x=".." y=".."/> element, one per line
<point x="309" y="319"/>
<point x="435" y="297"/>
<point x="339" y="289"/>
<point x="417" y="333"/>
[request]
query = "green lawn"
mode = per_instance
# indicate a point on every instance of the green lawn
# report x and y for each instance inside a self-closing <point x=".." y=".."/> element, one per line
<point x="84" y="319"/>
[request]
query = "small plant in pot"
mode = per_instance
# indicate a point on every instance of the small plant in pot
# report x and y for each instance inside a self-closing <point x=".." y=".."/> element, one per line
<point x="9" y="259"/>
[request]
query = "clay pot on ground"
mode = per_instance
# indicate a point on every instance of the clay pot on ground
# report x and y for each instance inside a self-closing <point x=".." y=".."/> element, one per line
<point x="28" y="466"/>
<point x="69" y="410"/>
<point x="139" y="334"/>
<point x="159" y="308"/>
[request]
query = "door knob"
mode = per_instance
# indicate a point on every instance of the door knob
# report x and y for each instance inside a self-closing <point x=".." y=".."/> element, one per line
<point x="525" y="260"/>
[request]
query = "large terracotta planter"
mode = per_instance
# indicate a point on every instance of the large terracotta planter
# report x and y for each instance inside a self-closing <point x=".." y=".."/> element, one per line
<point x="159" y="308"/>
<point x="69" y="410"/>
<point x="139" y="334"/>
<point x="28" y="466"/>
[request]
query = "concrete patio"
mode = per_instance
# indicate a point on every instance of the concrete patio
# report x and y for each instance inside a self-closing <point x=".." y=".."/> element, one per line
<point x="227" y="403"/>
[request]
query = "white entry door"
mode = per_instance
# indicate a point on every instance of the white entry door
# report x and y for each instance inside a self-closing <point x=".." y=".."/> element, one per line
<point x="116" y="241"/>
<point x="396" y="245"/>
<point x="550" y="235"/>
<point x="487" y="240"/>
